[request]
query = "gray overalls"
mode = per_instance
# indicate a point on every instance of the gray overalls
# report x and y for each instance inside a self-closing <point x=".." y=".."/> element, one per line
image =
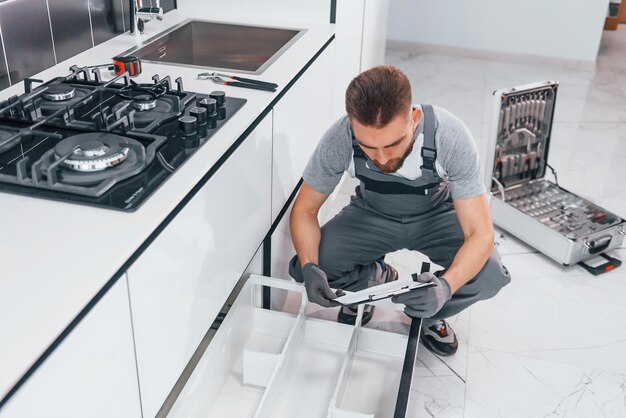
<point x="389" y="213"/>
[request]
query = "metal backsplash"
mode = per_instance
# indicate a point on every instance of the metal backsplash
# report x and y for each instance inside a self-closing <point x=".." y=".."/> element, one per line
<point x="37" y="34"/>
<point x="27" y="38"/>
<point x="4" y="73"/>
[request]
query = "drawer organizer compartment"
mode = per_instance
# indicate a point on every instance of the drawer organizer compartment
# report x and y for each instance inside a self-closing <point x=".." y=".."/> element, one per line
<point x="264" y="363"/>
<point x="370" y="376"/>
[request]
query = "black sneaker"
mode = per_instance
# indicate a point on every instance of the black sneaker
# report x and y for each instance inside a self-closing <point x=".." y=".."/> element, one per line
<point x="439" y="338"/>
<point x="347" y="315"/>
<point x="386" y="272"/>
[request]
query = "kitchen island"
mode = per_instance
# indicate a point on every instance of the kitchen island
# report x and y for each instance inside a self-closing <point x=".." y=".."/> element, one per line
<point x="67" y="269"/>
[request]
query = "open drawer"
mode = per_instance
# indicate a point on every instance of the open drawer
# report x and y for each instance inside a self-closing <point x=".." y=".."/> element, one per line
<point x="264" y="363"/>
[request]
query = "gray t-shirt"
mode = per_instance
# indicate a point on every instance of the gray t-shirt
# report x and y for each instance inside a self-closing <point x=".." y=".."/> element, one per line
<point x="457" y="157"/>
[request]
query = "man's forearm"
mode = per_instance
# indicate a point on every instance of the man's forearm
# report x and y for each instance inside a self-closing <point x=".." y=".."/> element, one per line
<point x="469" y="260"/>
<point x="305" y="234"/>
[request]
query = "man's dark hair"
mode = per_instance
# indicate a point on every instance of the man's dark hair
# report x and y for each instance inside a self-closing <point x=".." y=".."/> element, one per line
<point x="377" y="95"/>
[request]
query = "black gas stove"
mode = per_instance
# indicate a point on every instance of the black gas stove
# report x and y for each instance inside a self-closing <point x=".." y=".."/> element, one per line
<point x="103" y="143"/>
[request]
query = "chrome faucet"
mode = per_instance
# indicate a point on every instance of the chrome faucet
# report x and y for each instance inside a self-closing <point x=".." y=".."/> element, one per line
<point x="140" y="14"/>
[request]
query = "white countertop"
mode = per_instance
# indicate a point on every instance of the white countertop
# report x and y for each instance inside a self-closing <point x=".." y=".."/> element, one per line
<point x="55" y="256"/>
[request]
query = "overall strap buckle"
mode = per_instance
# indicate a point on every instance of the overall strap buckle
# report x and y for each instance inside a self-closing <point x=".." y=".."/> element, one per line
<point x="429" y="155"/>
<point x="429" y="148"/>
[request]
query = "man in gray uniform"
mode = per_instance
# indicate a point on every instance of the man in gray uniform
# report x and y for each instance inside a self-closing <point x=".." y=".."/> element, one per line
<point x="420" y="188"/>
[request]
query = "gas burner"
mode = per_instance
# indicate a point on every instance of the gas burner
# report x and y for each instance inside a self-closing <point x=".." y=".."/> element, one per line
<point x="61" y="95"/>
<point x="134" y="90"/>
<point x="92" y="152"/>
<point x="94" y="157"/>
<point x="59" y="92"/>
<point x="150" y="104"/>
<point x="150" y="111"/>
<point x="144" y="102"/>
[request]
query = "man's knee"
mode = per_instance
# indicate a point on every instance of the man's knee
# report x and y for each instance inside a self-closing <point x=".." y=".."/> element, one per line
<point x="488" y="282"/>
<point x="329" y="262"/>
<point x="493" y="276"/>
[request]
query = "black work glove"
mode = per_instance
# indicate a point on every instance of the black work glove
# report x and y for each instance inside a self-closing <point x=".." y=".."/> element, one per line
<point x="425" y="302"/>
<point x="317" y="288"/>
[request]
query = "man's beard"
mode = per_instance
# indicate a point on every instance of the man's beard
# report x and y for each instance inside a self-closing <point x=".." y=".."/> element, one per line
<point x="394" y="164"/>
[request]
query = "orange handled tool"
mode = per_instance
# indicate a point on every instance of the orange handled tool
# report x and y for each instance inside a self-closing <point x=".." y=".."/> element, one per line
<point x="129" y="64"/>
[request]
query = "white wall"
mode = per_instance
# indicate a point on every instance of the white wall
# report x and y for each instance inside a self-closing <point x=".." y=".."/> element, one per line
<point x="569" y="29"/>
<point x="260" y="11"/>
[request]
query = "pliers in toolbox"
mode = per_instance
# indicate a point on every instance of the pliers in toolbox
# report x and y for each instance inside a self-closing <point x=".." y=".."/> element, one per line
<point x="240" y="81"/>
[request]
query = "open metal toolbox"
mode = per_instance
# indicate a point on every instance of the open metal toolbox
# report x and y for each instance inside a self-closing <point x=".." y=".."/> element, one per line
<point x="265" y="363"/>
<point x="557" y="222"/>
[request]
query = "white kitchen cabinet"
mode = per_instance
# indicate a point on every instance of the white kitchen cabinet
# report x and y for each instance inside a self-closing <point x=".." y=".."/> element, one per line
<point x="181" y="281"/>
<point x="91" y="374"/>
<point x="301" y="117"/>
<point x="360" y="37"/>
<point x="349" y="42"/>
<point x="265" y="363"/>
<point x="375" y="13"/>
<point x="282" y="250"/>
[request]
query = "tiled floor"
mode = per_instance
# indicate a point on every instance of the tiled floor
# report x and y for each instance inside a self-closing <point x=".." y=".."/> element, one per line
<point x="553" y="342"/>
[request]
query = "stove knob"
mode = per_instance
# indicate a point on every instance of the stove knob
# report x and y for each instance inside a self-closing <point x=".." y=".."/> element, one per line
<point x="188" y="124"/>
<point x="200" y="113"/>
<point x="219" y="96"/>
<point x="212" y="121"/>
<point x="209" y="104"/>
<point x="221" y="113"/>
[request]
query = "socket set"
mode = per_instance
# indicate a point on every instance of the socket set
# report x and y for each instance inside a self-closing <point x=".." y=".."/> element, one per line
<point x="559" y="210"/>
<point x="524" y="124"/>
<point x="557" y="222"/>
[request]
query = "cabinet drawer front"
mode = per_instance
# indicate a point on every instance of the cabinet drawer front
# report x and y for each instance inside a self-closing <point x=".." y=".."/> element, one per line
<point x="91" y="374"/>
<point x="300" y="119"/>
<point x="182" y="280"/>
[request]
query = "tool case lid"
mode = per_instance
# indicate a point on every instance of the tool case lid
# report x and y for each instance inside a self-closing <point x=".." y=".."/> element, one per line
<point x="520" y="133"/>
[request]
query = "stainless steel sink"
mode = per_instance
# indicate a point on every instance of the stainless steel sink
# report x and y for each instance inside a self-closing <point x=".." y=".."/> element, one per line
<point x="220" y="46"/>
